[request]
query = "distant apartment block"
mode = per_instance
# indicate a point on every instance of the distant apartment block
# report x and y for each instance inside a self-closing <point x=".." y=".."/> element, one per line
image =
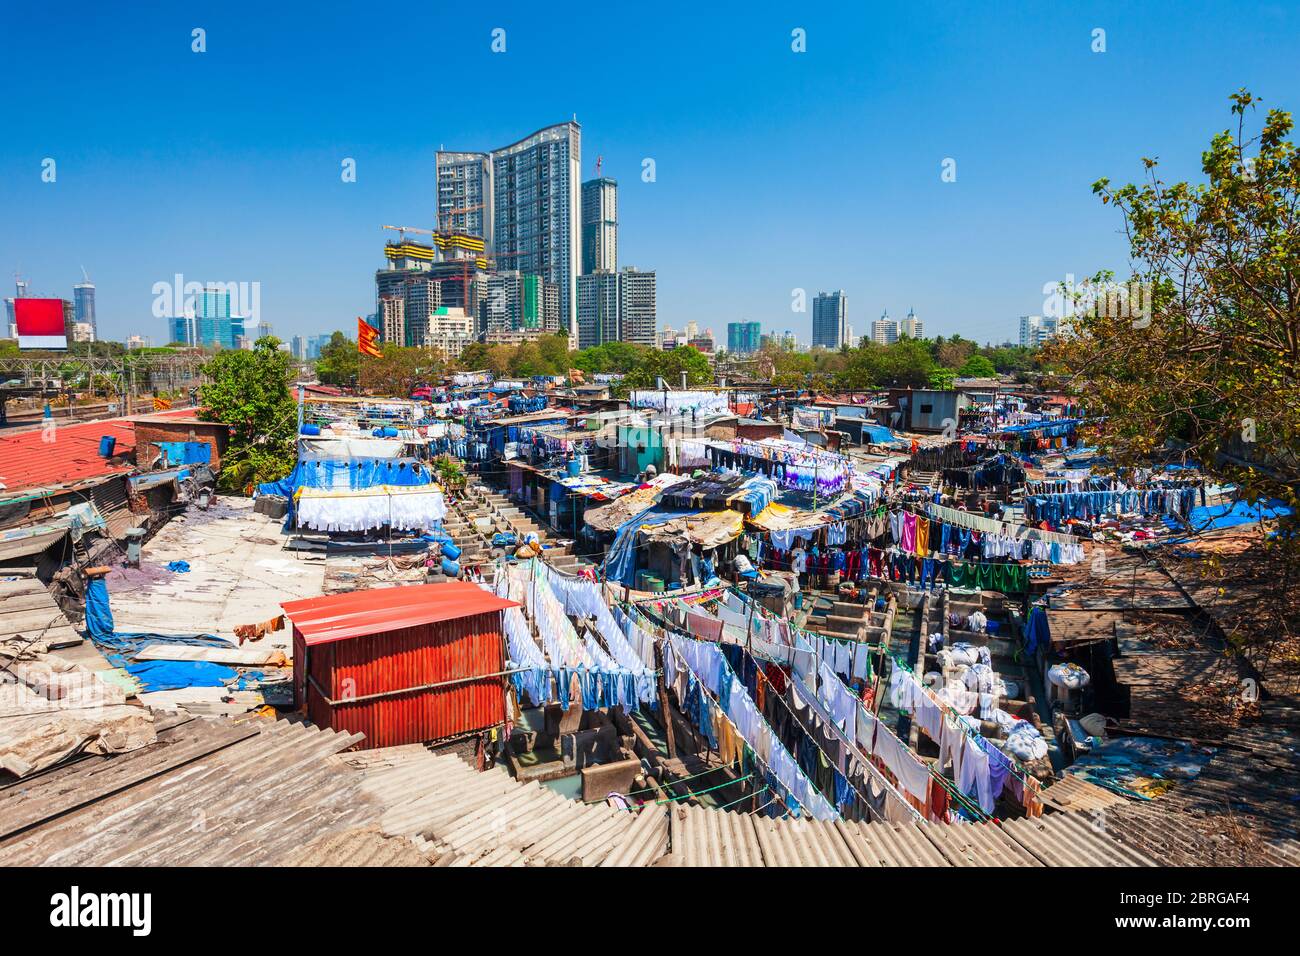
<point x="637" y="306"/>
<point x="744" y="338"/>
<point x="524" y="201"/>
<point x="1035" y="330"/>
<point x="617" y="307"/>
<point x="913" y="327"/>
<point x="598" y="319"/>
<point x="207" y="322"/>
<point x="830" y="320"/>
<point x="464" y="193"/>
<point x="599" y="226"/>
<point x="83" y="300"/>
<point x="449" y="331"/>
<point x="513" y="301"/>
<point x="392" y="319"/>
<point x="884" y="331"/>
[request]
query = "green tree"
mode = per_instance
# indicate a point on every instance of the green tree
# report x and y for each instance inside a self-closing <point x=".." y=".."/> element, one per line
<point x="554" y="351"/>
<point x="398" y="370"/>
<point x="339" y="362"/>
<point x="906" y="364"/>
<point x="943" y="379"/>
<point x="473" y="357"/>
<point x="1202" y="349"/>
<point x="669" y="366"/>
<point x="527" y="361"/>
<point x="248" y="390"/>
<point x="977" y="366"/>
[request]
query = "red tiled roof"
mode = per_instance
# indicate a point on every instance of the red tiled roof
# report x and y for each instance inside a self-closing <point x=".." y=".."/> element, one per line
<point x="337" y="617"/>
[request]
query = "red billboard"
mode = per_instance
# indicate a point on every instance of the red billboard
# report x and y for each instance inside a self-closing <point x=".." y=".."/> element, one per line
<point x="40" y="323"/>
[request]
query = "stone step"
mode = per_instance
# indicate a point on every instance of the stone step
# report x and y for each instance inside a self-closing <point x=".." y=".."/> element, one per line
<point x="836" y="624"/>
<point x="843" y="609"/>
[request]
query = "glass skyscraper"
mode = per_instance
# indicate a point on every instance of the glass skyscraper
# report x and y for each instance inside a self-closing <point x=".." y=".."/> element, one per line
<point x="529" y="194"/>
<point x="744" y="338"/>
<point x="599" y="226"/>
<point x="83" y="303"/>
<point x="830" y="319"/>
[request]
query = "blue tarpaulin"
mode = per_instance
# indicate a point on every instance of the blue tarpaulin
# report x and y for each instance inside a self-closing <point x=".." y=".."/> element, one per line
<point x="120" y="649"/>
<point x="1214" y="517"/>
<point x="620" y="562"/>
<point x="878" y="435"/>
<point x="99" y="617"/>
<point x="353" y="473"/>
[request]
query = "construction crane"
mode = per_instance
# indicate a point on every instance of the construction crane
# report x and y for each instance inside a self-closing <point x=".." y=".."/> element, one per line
<point x="462" y="212"/>
<point x="403" y="230"/>
<point x="465" y="276"/>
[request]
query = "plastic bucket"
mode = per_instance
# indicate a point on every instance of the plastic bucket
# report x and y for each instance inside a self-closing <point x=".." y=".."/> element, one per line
<point x="450" y="568"/>
<point x="106" y="445"/>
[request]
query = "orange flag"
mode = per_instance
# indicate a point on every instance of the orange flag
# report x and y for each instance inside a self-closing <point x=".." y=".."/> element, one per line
<point x="367" y="339"/>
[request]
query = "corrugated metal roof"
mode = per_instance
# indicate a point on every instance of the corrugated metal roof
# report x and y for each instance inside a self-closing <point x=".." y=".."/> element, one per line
<point x="1071" y="839"/>
<point x="27" y="460"/>
<point x="1074" y="793"/>
<point x="336" y="617"/>
<point x="466" y="818"/>
<point x="208" y="793"/>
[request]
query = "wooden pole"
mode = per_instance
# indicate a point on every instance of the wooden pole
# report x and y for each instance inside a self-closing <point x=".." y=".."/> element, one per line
<point x="663" y="699"/>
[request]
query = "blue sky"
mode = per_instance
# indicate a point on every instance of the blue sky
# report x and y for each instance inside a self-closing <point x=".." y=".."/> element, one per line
<point x="775" y="170"/>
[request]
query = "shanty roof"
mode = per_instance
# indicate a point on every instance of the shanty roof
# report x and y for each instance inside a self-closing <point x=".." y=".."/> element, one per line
<point x="709" y="529"/>
<point x="28" y="460"/>
<point x="337" y="617"/>
<point x="546" y="414"/>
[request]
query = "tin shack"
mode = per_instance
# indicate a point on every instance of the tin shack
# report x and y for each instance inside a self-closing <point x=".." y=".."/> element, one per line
<point x="401" y="665"/>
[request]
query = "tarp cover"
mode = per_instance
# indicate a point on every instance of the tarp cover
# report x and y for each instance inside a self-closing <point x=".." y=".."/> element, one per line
<point x="99" y="617"/>
<point x="778" y="517"/>
<point x="326" y="447"/>
<point x="56" y="709"/>
<point x="610" y="516"/>
<point x="879" y="435"/>
<point x="1215" y="517"/>
<point x="620" y="560"/>
<point x="708" y="530"/>
<point x="120" y="650"/>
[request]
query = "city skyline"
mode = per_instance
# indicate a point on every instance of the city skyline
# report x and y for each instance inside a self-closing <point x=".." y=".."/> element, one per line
<point x="264" y="168"/>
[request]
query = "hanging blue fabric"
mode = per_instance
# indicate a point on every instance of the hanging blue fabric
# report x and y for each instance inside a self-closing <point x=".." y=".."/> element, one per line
<point x="1036" y="630"/>
<point x="562" y="687"/>
<point x="99" y="616"/>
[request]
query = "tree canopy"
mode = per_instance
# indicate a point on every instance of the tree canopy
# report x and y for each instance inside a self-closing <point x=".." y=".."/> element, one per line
<point x="1201" y="351"/>
<point x="339" y="362"/>
<point x="248" y="389"/>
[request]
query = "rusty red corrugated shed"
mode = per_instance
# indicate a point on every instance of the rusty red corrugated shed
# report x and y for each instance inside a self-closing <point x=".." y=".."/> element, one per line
<point x="401" y="665"/>
<point x="336" y="617"/>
